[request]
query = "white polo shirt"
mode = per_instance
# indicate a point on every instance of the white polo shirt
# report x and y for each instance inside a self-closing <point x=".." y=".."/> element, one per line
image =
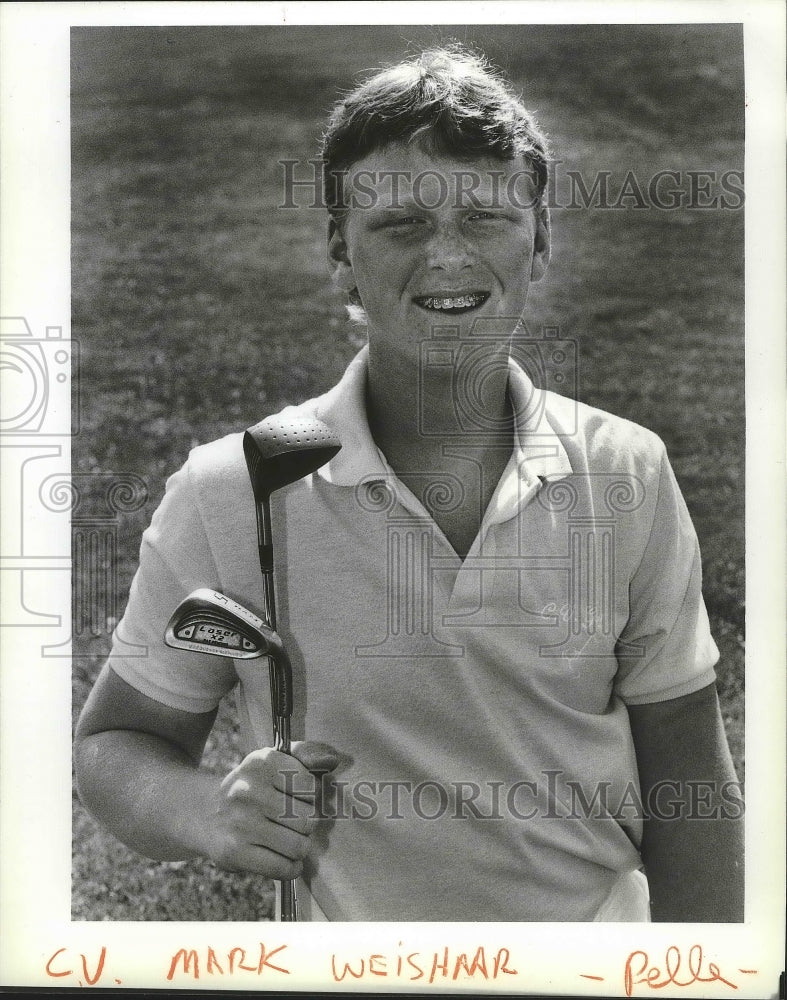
<point x="487" y="767"/>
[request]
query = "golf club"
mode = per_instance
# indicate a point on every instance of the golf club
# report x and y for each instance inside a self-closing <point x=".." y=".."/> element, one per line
<point x="281" y="450"/>
<point x="209" y="622"/>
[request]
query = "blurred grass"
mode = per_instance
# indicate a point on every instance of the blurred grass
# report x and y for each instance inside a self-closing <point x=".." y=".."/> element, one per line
<point x="200" y="305"/>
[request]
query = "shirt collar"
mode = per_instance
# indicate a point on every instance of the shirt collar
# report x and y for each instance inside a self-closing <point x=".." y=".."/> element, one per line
<point x="343" y="409"/>
<point x="538" y="453"/>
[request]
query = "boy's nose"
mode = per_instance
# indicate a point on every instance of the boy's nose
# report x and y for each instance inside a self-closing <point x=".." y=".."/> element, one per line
<point x="448" y="250"/>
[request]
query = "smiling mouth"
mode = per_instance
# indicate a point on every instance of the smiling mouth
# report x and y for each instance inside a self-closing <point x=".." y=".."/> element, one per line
<point x="452" y="303"/>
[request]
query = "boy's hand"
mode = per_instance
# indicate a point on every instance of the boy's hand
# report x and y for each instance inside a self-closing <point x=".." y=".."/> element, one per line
<point x="267" y="810"/>
<point x="137" y="763"/>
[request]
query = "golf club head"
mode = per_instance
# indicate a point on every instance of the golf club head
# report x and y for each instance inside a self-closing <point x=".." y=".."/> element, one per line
<point x="209" y="622"/>
<point x="281" y="450"/>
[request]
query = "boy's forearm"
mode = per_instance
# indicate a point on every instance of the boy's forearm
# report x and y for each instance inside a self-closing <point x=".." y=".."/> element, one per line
<point x="692" y="843"/>
<point x="695" y="869"/>
<point x="149" y="793"/>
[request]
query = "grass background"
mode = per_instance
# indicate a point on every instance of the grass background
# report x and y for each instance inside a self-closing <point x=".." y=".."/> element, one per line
<point x="200" y="305"/>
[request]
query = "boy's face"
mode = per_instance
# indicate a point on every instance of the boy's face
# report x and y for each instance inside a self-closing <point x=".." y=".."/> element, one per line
<point x="431" y="241"/>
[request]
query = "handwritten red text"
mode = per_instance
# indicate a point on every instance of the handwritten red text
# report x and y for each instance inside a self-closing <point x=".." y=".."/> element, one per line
<point x="59" y="966"/>
<point x="416" y="965"/>
<point x="639" y="971"/>
<point x="188" y="962"/>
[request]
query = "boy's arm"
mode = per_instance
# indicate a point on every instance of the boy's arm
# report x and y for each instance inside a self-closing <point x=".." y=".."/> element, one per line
<point x="137" y="768"/>
<point x="694" y="861"/>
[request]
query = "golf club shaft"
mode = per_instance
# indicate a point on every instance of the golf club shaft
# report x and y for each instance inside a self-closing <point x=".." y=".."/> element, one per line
<point x="280" y="451"/>
<point x="289" y="899"/>
<point x="265" y="548"/>
<point x="281" y="723"/>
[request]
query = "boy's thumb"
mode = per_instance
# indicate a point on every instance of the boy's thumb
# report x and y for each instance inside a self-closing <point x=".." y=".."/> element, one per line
<point x="319" y="758"/>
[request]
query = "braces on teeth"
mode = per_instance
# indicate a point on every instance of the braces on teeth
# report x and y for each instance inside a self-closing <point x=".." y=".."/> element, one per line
<point x="460" y="302"/>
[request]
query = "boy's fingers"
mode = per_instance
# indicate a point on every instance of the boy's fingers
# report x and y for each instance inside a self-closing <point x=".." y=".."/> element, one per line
<point x="262" y="860"/>
<point x="266" y="802"/>
<point x="296" y="775"/>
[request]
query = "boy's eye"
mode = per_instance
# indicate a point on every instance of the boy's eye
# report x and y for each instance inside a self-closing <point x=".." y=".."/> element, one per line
<point x="481" y="216"/>
<point x="404" y="220"/>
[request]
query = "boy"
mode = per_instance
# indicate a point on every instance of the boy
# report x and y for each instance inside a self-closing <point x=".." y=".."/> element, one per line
<point x="504" y="686"/>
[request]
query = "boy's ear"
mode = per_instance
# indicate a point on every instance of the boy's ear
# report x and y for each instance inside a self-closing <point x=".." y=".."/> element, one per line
<point x="338" y="259"/>
<point x="542" y="244"/>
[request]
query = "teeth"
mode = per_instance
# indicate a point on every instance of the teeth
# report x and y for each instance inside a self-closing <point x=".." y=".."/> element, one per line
<point x="457" y="302"/>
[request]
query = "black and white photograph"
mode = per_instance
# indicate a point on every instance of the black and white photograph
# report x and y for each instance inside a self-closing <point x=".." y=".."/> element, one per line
<point x="406" y="505"/>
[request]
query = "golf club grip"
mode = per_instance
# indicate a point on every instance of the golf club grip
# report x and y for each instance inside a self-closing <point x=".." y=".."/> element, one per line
<point x="289" y="901"/>
<point x="266" y="557"/>
<point x="289" y="898"/>
<point x="264" y="535"/>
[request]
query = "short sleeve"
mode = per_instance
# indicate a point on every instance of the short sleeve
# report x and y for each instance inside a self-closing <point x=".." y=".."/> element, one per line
<point x="666" y="649"/>
<point x="175" y="559"/>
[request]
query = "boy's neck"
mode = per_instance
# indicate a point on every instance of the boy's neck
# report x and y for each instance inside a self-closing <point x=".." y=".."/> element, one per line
<point x="413" y="413"/>
<point x="413" y="432"/>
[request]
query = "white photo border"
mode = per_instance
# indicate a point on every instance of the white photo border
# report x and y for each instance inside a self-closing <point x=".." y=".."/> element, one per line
<point x="37" y="936"/>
